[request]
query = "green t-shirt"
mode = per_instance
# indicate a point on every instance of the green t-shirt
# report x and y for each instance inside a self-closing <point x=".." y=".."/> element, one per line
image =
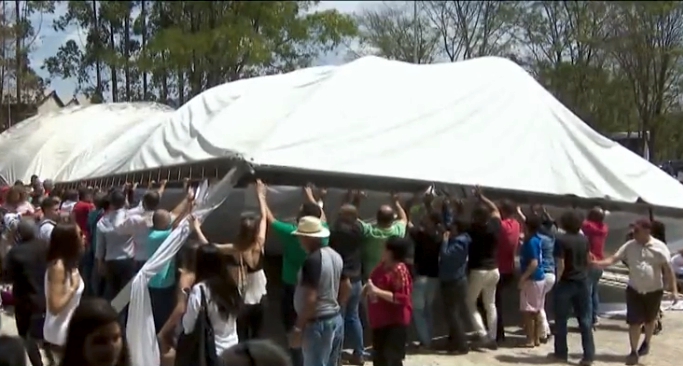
<point x="293" y="255"/>
<point x="375" y="237"/>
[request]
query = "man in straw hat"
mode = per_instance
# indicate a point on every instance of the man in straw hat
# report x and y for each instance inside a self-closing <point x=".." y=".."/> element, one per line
<point x="320" y="293"/>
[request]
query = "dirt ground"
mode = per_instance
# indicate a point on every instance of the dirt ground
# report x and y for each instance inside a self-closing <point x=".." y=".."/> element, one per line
<point x="610" y="338"/>
<point x="611" y="342"/>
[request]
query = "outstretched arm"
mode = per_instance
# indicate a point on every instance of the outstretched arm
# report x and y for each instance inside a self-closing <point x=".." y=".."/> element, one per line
<point x="490" y="204"/>
<point x="263" y="206"/>
<point x="308" y="194"/>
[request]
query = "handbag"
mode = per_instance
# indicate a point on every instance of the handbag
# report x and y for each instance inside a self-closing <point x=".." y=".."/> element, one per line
<point x="199" y="347"/>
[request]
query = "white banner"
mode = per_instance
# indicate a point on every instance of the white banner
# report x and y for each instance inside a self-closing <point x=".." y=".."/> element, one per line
<point x="142" y="339"/>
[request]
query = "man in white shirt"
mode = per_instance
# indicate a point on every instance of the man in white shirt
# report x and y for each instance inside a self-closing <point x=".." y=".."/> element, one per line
<point x="137" y="222"/>
<point x="50" y="209"/>
<point x="648" y="262"/>
<point x="69" y="202"/>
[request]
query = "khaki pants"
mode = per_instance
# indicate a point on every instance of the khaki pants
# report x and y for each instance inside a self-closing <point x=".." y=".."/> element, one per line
<point x="483" y="282"/>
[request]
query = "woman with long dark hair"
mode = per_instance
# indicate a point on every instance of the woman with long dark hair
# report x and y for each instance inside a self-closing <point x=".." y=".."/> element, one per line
<point x="245" y="258"/>
<point x="214" y="282"/>
<point x="63" y="282"/>
<point x="95" y="336"/>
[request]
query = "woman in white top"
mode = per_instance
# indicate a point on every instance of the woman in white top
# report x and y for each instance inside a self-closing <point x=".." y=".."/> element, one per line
<point x="245" y="260"/>
<point x="222" y="297"/>
<point x="63" y="283"/>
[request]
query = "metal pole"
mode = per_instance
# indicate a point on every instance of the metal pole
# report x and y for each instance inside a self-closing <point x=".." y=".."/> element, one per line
<point x="415" y="35"/>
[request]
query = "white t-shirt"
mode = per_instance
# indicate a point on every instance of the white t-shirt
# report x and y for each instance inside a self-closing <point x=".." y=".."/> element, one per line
<point x="67" y="206"/>
<point x="45" y="228"/>
<point x="645" y="264"/>
<point x="137" y="223"/>
<point x="225" y="330"/>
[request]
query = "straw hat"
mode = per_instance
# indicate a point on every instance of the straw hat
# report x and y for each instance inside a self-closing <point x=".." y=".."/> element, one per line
<point x="311" y="227"/>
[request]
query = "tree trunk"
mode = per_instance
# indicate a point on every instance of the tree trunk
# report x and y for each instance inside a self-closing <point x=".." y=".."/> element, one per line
<point x="112" y="66"/>
<point x="98" y="59"/>
<point x="19" y="26"/>
<point x="164" y="79"/>
<point x="126" y="52"/>
<point x="143" y="14"/>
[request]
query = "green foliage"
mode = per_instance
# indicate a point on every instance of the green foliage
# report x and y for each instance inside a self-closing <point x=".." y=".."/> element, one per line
<point x="185" y="47"/>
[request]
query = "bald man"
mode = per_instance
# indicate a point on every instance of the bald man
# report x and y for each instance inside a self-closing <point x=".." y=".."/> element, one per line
<point x="162" y="285"/>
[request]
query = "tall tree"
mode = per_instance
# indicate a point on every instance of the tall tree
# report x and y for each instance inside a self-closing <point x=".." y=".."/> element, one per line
<point x="188" y="47"/>
<point x="563" y="44"/>
<point x="73" y="62"/>
<point x="472" y="28"/>
<point x="395" y="30"/>
<point x="646" y="42"/>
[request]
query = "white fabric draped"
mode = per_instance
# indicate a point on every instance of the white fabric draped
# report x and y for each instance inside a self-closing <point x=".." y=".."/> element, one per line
<point x="140" y="330"/>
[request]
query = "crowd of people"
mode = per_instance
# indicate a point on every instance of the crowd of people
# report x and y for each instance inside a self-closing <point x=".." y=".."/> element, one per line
<point x="67" y="254"/>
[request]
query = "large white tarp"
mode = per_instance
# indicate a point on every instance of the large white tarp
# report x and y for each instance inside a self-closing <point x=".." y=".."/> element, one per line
<point x="484" y="121"/>
<point x="79" y="141"/>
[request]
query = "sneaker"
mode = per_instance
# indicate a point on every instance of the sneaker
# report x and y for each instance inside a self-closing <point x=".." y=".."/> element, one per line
<point x="644" y="349"/>
<point x="585" y="362"/>
<point x="632" y="359"/>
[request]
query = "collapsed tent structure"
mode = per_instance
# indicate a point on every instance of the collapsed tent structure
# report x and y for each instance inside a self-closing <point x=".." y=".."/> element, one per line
<point x="484" y="121"/>
<point x="371" y="123"/>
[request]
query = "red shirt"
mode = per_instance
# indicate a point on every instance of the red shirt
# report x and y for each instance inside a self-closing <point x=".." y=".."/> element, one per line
<point x="596" y="232"/>
<point x="397" y="280"/>
<point x="80" y="213"/>
<point x="508" y="242"/>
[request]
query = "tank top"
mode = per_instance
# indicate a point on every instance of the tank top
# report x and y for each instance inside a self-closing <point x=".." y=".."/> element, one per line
<point x="55" y="327"/>
<point x="252" y="280"/>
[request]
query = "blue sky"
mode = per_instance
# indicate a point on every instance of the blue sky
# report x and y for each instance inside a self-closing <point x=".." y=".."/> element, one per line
<point x="48" y="41"/>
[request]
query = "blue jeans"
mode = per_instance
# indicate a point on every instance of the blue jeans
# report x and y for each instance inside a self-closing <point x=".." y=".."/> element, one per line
<point x="322" y="341"/>
<point x="352" y="325"/>
<point x="594" y="276"/>
<point x="576" y="295"/>
<point x="424" y="292"/>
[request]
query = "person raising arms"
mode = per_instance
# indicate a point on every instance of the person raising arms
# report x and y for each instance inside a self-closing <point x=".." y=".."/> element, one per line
<point x="245" y="259"/>
<point x="293" y="258"/>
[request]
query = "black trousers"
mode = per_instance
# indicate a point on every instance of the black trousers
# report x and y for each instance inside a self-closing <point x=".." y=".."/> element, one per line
<point x="455" y="305"/>
<point x="389" y="345"/>
<point x="250" y="321"/>
<point x="30" y="329"/>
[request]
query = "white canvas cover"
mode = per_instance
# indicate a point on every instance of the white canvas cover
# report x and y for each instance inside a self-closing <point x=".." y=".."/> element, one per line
<point x="484" y="121"/>
<point x="77" y="141"/>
